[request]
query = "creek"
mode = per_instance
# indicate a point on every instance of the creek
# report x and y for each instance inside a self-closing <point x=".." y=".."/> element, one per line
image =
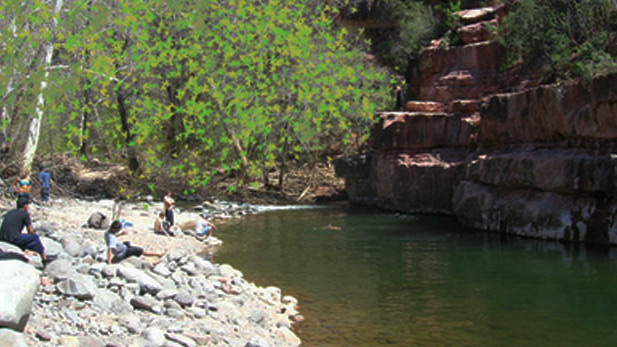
<point x="388" y="279"/>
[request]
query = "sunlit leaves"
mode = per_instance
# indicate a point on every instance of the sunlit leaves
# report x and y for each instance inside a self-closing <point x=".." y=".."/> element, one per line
<point x="231" y="85"/>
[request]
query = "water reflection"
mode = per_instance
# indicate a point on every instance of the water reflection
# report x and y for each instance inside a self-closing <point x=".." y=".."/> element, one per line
<point x="400" y="280"/>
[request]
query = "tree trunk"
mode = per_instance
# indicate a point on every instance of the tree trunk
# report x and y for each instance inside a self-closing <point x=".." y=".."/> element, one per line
<point x="176" y="123"/>
<point x="126" y="128"/>
<point x="85" y="115"/>
<point x="236" y="145"/>
<point x="32" y="140"/>
<point x="85" y="120"/>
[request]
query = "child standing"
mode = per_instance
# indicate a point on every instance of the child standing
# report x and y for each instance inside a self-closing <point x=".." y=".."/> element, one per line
<point x="46" y="184"/>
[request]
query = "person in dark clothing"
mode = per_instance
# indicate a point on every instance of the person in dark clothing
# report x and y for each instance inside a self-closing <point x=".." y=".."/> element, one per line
<point x="46" y="183"/>
<point x="11" y="230"/>
<point x="398" y="94"/>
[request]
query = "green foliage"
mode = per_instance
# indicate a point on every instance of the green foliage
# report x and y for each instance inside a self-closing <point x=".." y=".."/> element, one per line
<point x="417" y="25"/>
<point x="189" y="87"/>
<point x="403" y="28"/>
<point x="570" y="38"/>
<point x="451" y="22"/>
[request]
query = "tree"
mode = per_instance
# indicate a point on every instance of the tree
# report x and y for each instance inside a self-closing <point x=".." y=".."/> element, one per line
<point x="35" y="124"/>
<point x="570" y="38"/>
<point x="188" y="89"/>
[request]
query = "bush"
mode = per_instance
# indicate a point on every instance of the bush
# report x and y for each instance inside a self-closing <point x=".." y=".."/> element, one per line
<point x="569" y="38"/>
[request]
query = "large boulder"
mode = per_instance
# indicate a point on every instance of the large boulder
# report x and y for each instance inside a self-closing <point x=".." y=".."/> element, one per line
<point x="98" y="220"/>
<point x="19" y="284"/>
<point x="11" y="338"/>
<point x="146" y="282"/>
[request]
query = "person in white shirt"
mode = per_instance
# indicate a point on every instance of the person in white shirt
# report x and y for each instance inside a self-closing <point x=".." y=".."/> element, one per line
<point x="118" y="251"/>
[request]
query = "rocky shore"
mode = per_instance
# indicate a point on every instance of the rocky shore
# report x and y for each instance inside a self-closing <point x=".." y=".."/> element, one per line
<point x="182" y="299"/>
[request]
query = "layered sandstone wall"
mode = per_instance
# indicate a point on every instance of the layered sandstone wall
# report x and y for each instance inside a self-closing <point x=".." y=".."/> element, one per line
<point x="539" y="163"/>
<point x="546" y="164"/>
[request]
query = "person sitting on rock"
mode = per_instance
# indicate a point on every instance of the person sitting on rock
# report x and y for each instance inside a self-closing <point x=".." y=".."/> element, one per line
<point x="13" y="224"/>
<point x="161" y="226"/>
<point x="204" y="226"/>
<point x="122" y="250"/>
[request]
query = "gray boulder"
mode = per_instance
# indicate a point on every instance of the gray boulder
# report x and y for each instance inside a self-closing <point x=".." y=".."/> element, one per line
<point x="19" y="284"/>
<point x="154" y="336"/>
<point x="181" y="340"/>
<point x="162" y="270"/>
<point x="88" y="248"/>
<point x="52" y="247"/>
<point x="98" y="220"/>
<point x="147" y="303"/>
<point x="78" y="286"/>
<point x="10" y="338"/>
<point x="184" y="298"/>
<point x="71" y="245"/>
<point x="60" y="270"/>
<point x="7" y="247"/>
<point x="147" y="283"/>
<point x="110" y="302"/>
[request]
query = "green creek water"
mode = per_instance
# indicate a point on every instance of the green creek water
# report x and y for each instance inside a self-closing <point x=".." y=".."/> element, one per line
<point x="387" y="279"/>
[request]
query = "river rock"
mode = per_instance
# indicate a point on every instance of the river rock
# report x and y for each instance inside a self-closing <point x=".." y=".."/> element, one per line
<point x="133" y="325"/>
<point x="19" y="284"/>
<point x="71" y="245"/>
<point x="52" y="247"/>
<point x="77" y="286"/>
<point x="203" y="266"/>
<point x="109" y="271"/>
<point x="60" y="270"/>
<point x="68" y="341"/>
<point x="256" y="342"/>
<point x="147" y="303"/>
<point x="89" y="341"/>
<point x="147" y="283"/>
<point x="287" y="336"/>
<point x="98" y="220"/>
<point x="258" y="316"/>
<point x="167" y="294"/>
<point x="184" y="299"/>
<point x="154" y="336"/>
<point x="162" y="270"/>
<point x="11" y="338"/>
<point x="181" y="340"/>
<point x="88" y="248"/>
<point x="110" y="302"/>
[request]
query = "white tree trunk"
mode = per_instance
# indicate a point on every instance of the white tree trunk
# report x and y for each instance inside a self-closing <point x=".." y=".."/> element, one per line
<point x="32" y="141"/>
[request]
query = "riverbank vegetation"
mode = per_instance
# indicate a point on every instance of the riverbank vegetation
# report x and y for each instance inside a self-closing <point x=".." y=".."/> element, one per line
<point x="187" y="93"/>
<point x="181" y="89"/>
<point x="568" y="39"/>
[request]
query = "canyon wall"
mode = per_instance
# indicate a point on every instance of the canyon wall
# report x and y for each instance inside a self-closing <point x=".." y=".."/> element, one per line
<point x="497" y="151"/>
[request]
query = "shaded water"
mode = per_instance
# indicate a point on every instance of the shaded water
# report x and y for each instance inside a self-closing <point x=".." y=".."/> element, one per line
<point x="385" y="279"/>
